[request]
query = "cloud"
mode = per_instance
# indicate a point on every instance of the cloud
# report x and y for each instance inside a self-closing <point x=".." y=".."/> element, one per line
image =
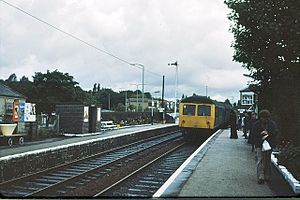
<point x="151" y="32"/>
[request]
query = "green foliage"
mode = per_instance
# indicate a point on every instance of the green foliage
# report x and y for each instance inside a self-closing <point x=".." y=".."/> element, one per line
<point x="267" y="37"/>
<point x="290" y="158"/>
<point x="52" y="88"/>
<point x="266" y="42"/>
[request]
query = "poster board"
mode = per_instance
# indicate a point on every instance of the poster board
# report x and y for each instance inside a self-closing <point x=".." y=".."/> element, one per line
<point x="22" y="112"/>
<point x="16" y="111"/>
<point x="85" y="113"/>
<point x="29" y="112"/>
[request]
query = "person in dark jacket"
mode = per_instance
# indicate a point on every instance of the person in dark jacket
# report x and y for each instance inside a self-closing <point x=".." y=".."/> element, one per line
<point x="233" y="132"/>
<point x="246" y="119"/>
<point x="252" y="121"/>
<point x="264" y="130"/>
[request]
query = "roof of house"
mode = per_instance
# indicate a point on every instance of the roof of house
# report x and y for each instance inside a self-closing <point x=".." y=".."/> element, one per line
<point x="247" y="89"/>
<point x="8" y="92"/>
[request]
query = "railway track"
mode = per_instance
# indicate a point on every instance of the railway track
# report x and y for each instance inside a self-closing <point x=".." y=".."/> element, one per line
<point x="88" y="176"/>
<point x="146" y="180"/>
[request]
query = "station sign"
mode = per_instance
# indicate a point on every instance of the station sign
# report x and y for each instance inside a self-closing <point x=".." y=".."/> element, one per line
<point x="161" y="109"/>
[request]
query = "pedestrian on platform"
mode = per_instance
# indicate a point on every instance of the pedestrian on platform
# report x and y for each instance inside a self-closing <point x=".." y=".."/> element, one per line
<point x="252" y="121"/>
<point x="265" y="139"/>
<point x="240" y="123"/>
<point x="233" y="125"/>
<point x="246" y="119"/>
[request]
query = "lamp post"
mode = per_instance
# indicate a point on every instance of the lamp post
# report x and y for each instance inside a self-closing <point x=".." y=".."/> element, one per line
<point x="176" y="84"/>
<point x="141" y="66"/>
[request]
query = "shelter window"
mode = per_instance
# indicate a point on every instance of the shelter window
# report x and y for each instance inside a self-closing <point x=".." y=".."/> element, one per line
<point x="204" y="110"/>
<point x="189" y="110"/>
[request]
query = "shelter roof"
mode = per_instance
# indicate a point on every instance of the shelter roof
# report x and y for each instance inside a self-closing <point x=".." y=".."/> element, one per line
<point x="8" y="92"/>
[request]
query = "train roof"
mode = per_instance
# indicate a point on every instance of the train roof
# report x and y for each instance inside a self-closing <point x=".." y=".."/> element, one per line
<point x="204" y="99"/>
<point x="197" y="99"/>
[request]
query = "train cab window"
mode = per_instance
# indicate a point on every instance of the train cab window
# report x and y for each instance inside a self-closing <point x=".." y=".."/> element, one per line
<point x="203" y="110"/>
<point x="189" y="110"/>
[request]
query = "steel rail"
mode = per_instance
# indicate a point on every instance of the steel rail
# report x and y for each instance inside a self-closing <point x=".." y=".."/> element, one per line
<point x="64" y="166"/>
<point x="138" y="170"/>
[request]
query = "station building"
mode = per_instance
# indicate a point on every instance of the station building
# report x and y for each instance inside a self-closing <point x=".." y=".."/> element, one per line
<point x="7" y="98"/>
<point x="248" y="100"/>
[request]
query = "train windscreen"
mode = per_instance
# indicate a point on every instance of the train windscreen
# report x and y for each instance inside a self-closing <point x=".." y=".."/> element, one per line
<point x="204" y="110"/>
<point x="189" y="110"/>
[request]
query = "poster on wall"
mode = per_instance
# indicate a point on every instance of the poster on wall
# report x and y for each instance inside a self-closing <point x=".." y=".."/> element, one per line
<point x="16" y="111"/>
<point x="29" y="112"/>
<point x="86" y="114"/>
<point x="21" y="113"/>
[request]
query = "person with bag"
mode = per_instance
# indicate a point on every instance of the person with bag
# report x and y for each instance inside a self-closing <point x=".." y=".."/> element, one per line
<point x="265" y="134"/>
<point x="252" y="121"/>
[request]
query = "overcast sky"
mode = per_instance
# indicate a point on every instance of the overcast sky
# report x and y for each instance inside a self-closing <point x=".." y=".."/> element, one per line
<point x="195" y="33"/>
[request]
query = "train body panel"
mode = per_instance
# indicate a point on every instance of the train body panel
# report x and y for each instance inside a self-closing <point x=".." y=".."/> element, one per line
<point x="198" y="114"/>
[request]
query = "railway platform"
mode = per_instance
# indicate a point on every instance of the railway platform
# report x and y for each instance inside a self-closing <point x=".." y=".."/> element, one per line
<point x="39" y="155"/>
<point x="72" y="139"/>
<point x="223" y="167"/>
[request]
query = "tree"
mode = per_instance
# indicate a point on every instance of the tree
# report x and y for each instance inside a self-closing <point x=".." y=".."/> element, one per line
<point x="267" y="38"/>
<point x="55" y="87"/>
<point x="98" y="87"/>
<point x="12" y="78"/>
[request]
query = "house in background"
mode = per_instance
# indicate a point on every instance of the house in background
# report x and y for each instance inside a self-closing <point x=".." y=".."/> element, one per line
<point x="7" y="98"/>
<point x="248" y="100"/>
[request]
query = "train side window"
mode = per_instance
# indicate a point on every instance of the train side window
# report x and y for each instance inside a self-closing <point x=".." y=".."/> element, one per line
<point x="189" y="110"/>
<point x="204" y="110"/>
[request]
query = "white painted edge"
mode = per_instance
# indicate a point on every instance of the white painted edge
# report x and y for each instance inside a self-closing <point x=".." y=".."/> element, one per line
<point x="294" y="183"/>
<point x="163" y="188"/>
<point x="9" y="157"/>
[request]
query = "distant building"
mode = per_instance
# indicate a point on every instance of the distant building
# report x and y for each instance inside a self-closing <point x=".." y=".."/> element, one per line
<point x="7" y="98"/>
<point x="248" y="100"/>
<point x="132" y="103"/>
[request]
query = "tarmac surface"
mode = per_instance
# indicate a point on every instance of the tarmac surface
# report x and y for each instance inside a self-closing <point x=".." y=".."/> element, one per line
<point x="228" y="169"/>
<point x="223" y="167"/>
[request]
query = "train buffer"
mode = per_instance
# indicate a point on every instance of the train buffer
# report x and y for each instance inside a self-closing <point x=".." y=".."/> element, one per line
<point x="223" y="167"/>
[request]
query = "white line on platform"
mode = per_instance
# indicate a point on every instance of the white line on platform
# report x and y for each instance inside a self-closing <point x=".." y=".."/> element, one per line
<point x="163" y="188"/>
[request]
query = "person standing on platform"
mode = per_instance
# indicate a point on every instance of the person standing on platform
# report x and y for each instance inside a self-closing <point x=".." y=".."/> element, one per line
<point x="252" y="121"/>
<point x="246" y="124"/>
<point x="265" y="133"/>
<point x="233" y="132"/>
<point x="240" y="123"/>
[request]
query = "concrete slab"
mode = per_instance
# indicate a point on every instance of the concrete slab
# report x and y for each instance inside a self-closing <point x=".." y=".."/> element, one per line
<point x="227" y="170"/>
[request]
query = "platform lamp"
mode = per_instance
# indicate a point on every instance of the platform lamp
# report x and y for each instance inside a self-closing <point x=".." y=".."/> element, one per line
<point x="176" y="84"/>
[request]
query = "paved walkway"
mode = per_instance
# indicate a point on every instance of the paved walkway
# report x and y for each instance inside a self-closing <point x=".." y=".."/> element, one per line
<point x="227" y="170"/>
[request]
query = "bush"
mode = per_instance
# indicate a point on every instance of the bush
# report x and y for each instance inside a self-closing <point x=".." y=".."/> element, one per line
<point x="289" y="157"/>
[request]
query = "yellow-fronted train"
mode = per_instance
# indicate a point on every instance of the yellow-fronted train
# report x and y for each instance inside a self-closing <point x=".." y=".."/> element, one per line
<point x="200" y="116"/>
